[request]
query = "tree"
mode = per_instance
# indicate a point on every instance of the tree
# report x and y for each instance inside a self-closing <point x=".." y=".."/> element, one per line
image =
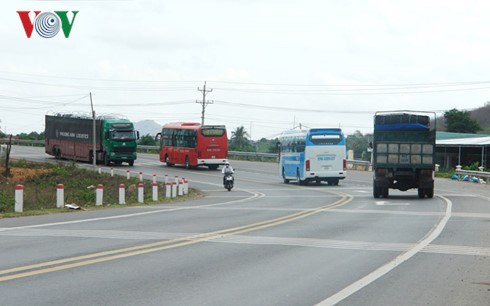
<point x="239" y="140"/>
<point x="147" y="140"/>
<point x="359" y="143"/>
<point x="460" y="122"/>
<point x="31" y="136"/>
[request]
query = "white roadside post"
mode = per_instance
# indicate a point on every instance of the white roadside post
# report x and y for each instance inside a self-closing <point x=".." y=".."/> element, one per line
<point x="154" y="191"/>
<point x="141" y="198"/>
<point x="186" y="185"/>
<point x="168" y="190"/>
<point x="99" y="195"/>
<point x="181" y="187"/>
<point x="19" y="198"/>
<point x="141" y="176"/>
<point x="100" y="170"/>
<point x="174" y="189"/>
<point x="60" y="196"/>
<point x="122" y="195"/>
<point x="112" y="171"/>
<point x="128" y="174"/>
<point x="166" y="179"/>
<point x="154" y="178"/>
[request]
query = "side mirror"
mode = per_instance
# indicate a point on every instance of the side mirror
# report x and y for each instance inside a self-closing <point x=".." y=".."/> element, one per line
<point x="158" y="136"/>
<point x="370" y="144"/>
<point x="137" y="134"/>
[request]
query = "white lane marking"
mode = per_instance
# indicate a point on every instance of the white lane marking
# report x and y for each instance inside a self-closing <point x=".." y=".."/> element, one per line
<point x="255" y="240"/>
<point x="383" y="203"/>
<point x="255" y="195"/>
<point x="373" y="276"/>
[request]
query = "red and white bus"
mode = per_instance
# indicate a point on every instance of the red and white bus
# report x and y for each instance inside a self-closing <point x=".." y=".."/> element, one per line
<point x="192" y="144"/>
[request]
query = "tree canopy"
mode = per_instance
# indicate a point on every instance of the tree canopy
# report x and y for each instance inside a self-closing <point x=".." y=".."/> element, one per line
<point x="359" y="143"/>
<point x="460" y="122"/>
<point x="239" y="140"/>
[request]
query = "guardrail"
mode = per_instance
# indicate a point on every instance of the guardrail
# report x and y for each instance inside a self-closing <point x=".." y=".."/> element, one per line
<point x="478" y="174"/>
<point x="269" y="157"/>
<point x="37" y="143"/>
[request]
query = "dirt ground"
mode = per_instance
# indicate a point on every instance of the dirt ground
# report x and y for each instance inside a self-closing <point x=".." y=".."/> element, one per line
<point x="20" y="175"/>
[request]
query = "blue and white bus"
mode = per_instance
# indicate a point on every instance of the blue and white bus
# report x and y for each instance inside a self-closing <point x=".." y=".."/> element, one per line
<point x="313" y="155"/>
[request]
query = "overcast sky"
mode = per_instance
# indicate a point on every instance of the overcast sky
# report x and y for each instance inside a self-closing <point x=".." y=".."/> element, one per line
<point x="272" y="64"/>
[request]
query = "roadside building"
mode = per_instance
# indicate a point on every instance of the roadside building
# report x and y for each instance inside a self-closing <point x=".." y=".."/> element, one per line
<point x="454" y="149"/>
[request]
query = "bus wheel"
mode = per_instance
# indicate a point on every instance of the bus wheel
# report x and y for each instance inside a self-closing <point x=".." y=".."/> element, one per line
<point x="421" y="192"/>
<point x="335" y="182"/>
<point x="213" y="167"/>
<point x="167" y="161"/>
<point x="187" y="163"/>
<point x="131" y="163"/>
<point x="286" y="181"/>
<point x="376" y="191"/>
<point x="298" y="178"/>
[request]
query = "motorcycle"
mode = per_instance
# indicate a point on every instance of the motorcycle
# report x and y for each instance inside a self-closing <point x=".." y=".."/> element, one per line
<point x="228" y="181"/>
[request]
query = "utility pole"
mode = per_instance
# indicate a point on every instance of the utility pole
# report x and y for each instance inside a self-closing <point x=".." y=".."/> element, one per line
<point x="94" y="143"/>
<point x="204" y="102"/>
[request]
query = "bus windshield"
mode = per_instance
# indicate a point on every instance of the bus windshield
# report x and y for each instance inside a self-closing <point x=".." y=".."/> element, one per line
<point x="212" y="132"/>
<point x="325" y="139"/>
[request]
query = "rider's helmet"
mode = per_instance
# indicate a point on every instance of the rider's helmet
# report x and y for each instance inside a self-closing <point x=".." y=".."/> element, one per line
<point x="227" y="163"/>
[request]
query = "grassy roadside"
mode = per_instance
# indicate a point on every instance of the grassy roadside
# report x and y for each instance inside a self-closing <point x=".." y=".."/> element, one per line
<point x="40" y="181"/>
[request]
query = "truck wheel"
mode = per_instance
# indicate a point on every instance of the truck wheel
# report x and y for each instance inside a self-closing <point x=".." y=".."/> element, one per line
<point x="430" y="192"/>
<point x="107" y="162"/>
<point x="213" y="167"/>
<point x="57" y="153"/>
<point x="187" y="163"/>
<point x="131" y="163"/>
<point x="376" y="192"/>
<point x="421" y="192"/>
<point x="385" y="192"/>
<point x="335" y="182"/>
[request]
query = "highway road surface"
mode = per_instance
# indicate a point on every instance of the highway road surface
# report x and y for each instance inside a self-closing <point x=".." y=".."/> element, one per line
<point x="263" y="243"/>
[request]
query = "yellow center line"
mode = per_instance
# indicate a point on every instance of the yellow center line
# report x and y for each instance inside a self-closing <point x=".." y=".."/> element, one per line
<point x="89" y="259"/>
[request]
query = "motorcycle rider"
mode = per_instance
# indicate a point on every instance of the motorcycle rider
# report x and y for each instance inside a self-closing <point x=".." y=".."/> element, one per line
<point x="227" y="169"/>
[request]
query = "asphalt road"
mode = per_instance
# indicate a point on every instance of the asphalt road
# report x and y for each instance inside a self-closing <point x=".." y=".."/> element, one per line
<point x="263" y="243"/>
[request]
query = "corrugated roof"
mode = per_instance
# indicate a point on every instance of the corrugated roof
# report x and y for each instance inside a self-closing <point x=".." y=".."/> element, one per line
<point x="476" y="141"/>
<point x="450" y="135"/>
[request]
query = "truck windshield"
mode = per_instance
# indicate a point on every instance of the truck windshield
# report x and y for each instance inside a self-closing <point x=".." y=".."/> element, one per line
<point x="123" y="135"/>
